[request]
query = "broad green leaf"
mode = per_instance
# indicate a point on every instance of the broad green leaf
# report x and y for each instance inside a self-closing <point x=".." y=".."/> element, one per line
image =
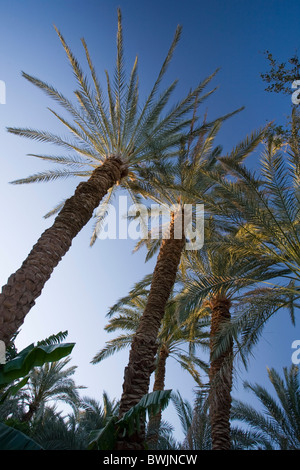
<point x="11" y="391"/>
<point x="104" y="438"/>
<point x="12" y="439"/>
<point x="32" y="356"/>
<point x="150" y="403"/>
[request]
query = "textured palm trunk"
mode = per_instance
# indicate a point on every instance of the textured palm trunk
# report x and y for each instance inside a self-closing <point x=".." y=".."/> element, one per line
<point x="25" y="285"/>
<point x="144" y="346"/>
<point x="159" y="385"/>
<point x="33" y="407"/>
<point x="220" y="376"/>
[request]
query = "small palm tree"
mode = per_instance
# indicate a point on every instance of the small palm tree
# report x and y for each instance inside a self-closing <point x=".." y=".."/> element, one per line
<point x="93" y="415"/>
<point x="52" y="431"/>
<point x="113" y="139"/>
<point x="278" y="423"/>
<point x="196" y="422"/>
<point x="72" y="432"/>
<point x="51" y="382"/>
<point x="197" y="429"/>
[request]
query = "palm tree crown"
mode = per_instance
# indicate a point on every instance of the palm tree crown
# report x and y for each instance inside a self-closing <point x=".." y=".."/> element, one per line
<point x="115" y="124"/>
<point x="113" y="139"/>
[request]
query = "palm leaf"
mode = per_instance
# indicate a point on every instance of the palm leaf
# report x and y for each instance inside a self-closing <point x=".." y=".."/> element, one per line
<point x="150" y="403"/>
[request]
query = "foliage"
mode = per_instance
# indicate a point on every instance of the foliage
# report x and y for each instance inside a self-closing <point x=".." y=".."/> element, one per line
<point x="174" y="336"/>
<point x="12" y="439"/>
<point x="281" y="75"/>
<point x="151" y="403"/>
<point x="25" y="361"/>
<point x="277" y="424"/>
<point x="32" y="356"/>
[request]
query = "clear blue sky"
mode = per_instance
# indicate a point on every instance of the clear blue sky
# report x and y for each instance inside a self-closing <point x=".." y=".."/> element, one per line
<point x="231" y="35"/>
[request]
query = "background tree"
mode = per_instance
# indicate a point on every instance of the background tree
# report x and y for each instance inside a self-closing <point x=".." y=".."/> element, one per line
<point x="51" y="382"/>
<point x="179" y="187"/>
<point x="265" y="205"/>
<point x="281" y="75"/>
<point x="216" y="278"/>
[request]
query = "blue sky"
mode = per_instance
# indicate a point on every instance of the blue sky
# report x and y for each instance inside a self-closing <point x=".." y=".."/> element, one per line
<point x="232" y="36"/>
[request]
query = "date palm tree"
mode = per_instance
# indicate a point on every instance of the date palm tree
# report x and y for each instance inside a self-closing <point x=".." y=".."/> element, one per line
<point x="197" y="429"/>
<point x="182" y="186"/>
<point x="173" y="190"/>
<point x="277" y="424"/>
<point x="219" y="279"/>
<point x="112" y="138"/>
<point x="52" y="381"/>
<point x="265" y="204"/>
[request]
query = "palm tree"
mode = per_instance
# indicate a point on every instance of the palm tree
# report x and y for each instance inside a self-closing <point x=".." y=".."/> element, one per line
<point x="173" y="338"/>
<point x="52" y="431"/>
<point x="197" y="428"/>
<point x="174" y="190"/>
<point x="51" y="382"/>
<point x="94" y="415"/>
<point x="112" y="140"/>
<point x="217" y="279"/>
<point x="278" y="422"/>
<point x="265" y="205"/>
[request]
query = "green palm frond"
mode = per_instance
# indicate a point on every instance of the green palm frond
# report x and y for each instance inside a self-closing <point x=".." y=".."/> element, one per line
<point x="113" y="346"/>
<point x="184" y="411"/>
<point x="51" y="175"/>
<point x="278" y="420"/>
<point x="125" y="315"/>
<point x="111" y="120"/>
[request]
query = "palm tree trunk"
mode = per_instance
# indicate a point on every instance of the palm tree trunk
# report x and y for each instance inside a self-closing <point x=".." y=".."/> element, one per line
<point x="220" y="376"/>
<point x="33" y="407"/>
<point x="159" y="384"/>
<point x="144" y="346"/>
<point x="25" y="285"/>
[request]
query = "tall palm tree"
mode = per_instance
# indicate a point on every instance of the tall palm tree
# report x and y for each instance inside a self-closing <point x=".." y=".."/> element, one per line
<point x="113" y="139"/>
<point x="217" y="278"/>
<point x="278" y="422"/>
<point x="173" y="340"/>
<point x="265" y="204"/>
<point x="174" y="190"/>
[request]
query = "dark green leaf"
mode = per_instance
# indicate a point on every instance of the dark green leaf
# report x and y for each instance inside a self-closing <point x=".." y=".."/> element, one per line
<point x="32" y="356"/>
<point x="12" y="439"/>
